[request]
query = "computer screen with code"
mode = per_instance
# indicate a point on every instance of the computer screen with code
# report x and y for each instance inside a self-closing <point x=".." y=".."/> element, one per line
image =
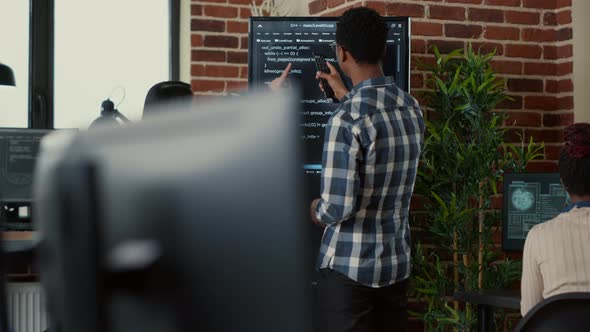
<point x="18" y="154"/>
<point x="529" y="199"/>
<point x="274" y="42"/>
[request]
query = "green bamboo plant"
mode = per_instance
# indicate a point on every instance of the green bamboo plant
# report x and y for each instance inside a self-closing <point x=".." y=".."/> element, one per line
<point x="463" y="160"/>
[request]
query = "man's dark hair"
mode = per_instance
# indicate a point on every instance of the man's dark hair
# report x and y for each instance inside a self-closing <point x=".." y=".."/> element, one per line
<point x="363" y="33"/>
<point x="574" y="161"/>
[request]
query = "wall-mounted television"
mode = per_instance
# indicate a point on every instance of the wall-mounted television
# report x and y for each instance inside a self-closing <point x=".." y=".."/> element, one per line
<point x="275" y="42"/>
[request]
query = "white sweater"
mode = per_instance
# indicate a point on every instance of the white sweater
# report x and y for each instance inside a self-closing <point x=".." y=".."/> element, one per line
<point x="556" y="258"/>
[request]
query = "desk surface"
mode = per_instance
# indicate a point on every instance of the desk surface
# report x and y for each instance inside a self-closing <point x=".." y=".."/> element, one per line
<point x="19" y="236"/>
<point x="17" y="241"/>
<point x="500" y="298"/>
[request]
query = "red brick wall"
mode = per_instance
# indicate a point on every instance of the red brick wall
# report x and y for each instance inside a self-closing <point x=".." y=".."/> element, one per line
<point x="219" y="45"/>
<point x="533" y="42"/>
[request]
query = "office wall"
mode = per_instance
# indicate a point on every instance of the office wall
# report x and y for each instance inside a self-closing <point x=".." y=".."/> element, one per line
<point x="533" y="43"/>
<point x="581" y="12"/>
<point x="219" y="43"/>
<point x="532" y="38"/>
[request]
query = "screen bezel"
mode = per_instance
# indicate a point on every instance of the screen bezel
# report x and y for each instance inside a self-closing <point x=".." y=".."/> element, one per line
<point x="399" y="19"/>
<point x="512" y="244"/>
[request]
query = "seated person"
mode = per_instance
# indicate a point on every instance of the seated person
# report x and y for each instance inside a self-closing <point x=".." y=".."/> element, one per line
<point x="167" y="92"/>
<point x="556" y="256"/>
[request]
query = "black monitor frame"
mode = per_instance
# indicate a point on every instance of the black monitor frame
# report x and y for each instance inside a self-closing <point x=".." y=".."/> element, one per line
<point x="389" y="19"/>
<point x="518" y="244"/>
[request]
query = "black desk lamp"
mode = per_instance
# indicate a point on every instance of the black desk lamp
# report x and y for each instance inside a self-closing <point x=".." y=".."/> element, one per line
<point x="6" y="75"/>
<point x="6" y="78"/>
<point x="108" y="115"/>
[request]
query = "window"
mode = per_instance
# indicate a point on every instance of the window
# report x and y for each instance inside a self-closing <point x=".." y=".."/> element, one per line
<point x="14" y="38"/>
<point x="103" y="48"/>
<point x="70" y="55"/>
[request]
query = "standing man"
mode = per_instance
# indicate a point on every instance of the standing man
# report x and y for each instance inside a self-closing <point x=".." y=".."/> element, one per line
<point x="371" y="152"/>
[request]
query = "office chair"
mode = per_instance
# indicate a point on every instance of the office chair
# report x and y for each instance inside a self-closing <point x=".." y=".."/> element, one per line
<point x="167" y="92"/>
<point x="564" y="312"/>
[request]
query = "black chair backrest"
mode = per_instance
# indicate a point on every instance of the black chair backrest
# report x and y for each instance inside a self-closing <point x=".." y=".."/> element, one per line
<point x="564" y="312"/>
<point x="166" y="92"/>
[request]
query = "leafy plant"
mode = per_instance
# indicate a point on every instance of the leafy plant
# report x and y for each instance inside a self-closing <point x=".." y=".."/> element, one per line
<point x="269" y="8"/>
<point x="518" y="156"/>
<point x="464" y="157"/>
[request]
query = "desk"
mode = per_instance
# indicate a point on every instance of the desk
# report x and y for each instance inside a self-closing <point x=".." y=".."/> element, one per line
<point x="17" y="247"/>
<point x="488" y="299"/>
<point x="14" y="242"/>
<point x="17" y="236"/>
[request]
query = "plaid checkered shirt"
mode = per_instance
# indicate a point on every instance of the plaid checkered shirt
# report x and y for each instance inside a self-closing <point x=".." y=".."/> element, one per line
<point x="372" y="146"/>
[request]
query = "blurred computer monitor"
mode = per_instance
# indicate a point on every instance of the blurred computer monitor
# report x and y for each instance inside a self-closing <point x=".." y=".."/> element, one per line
<point x="186" y="221"/>
<point x="18" y="153"/>
<point x="529" y="199"/>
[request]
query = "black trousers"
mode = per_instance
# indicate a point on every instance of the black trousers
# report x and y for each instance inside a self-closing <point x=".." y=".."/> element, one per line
<point x="344" y="305"/>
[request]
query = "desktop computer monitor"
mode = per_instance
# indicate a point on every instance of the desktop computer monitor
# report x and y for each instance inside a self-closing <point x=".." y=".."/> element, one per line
<point x="529" y="199"/>
<point x="185" y="221"/>
<point x="18" y="154"/>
